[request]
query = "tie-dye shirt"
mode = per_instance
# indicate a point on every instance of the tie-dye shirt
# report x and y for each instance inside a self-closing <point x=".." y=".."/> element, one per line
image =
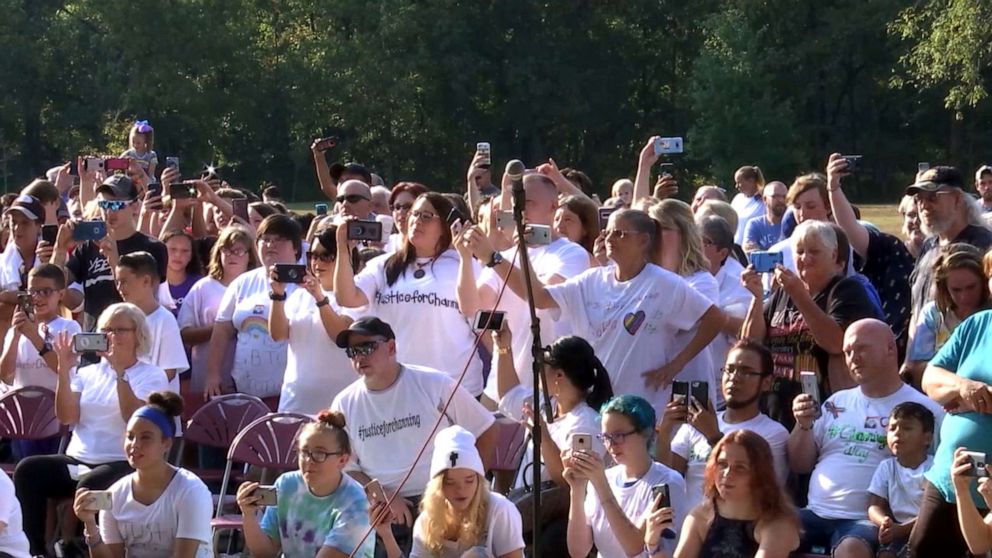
<point x="303" y="523"/>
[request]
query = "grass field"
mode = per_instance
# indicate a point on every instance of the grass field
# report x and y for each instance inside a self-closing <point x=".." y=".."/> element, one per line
<point x="885" y="217"/>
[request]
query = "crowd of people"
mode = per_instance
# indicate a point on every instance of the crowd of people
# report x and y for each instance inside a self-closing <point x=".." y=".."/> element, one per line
<point x="750" y="376"/>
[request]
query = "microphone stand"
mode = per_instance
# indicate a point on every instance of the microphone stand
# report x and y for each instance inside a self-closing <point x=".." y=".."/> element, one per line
<point x="537" y="351"/>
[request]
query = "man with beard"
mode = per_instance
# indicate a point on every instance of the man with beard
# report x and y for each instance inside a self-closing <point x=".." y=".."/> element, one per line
<point x="746" y="376"/>
<point x="950" y="215"/>
<point x="983" y="185"/>
<point x="761" y="233"/>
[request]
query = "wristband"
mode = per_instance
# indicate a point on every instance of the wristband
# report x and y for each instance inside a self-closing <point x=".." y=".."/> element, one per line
<point x="324" y="302"/>
<point x="92" y="539"/>
<point x="495" y="259"/>
<point x="277" y="297"/>
<point x="46" y="348"/>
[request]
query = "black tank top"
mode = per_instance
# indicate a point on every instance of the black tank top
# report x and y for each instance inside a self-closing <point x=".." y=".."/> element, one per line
<point x="729" y="538"/>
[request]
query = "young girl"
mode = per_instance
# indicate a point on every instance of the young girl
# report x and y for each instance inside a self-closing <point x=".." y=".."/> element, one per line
<point x="459" y="515"/>
<point x="746" y="513"/>
<point x="182" y="271"/>
<point x="142" y="142"/>
<point x="320" y="511"/>
<point x="159" y="511"/>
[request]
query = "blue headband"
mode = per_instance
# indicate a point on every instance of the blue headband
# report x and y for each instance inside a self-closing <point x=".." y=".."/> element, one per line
<point x="159" y="419"/>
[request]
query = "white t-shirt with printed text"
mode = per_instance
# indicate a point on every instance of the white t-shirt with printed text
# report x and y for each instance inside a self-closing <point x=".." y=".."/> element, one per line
<point x="388" y="427"/>
<point x="30" y="369"/>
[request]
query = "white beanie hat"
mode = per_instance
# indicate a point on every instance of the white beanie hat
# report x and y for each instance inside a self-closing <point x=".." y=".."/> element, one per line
<point x="454" y="448"/>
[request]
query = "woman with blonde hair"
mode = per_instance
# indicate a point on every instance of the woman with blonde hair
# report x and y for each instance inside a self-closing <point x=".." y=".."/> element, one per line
<point x="459" y="516"/>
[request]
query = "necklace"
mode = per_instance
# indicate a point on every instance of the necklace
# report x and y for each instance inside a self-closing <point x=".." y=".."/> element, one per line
<point x="420" y="272"/>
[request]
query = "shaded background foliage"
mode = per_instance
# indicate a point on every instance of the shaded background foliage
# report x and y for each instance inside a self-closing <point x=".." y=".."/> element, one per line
<point x="410" y="85"/>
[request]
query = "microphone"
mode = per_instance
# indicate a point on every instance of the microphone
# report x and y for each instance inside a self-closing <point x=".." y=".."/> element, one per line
<point x="515" y="172"/>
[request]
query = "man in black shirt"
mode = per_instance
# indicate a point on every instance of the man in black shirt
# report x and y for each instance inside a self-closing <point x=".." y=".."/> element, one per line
<point x="92" y="263"/>
<point x="950" y="215"/>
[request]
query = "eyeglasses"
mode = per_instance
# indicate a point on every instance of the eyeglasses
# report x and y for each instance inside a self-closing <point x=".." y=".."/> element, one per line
<point x="362" y="349"/>
<point x="113" y="205"/>
<point x="621" y="234"/>
<point x="423" y="216"/>
<point x="272" y="239"/>
<point x="318" y="456"/>
<point x="352" y="198"/>
<point x="615" y="438"/>
<point x="42" y="292"/>
<point x="740" y="372"/>
<point x="325" y="257"/>
<point x="930" y="197"/>
<point x="117" y="330"/>
<point x="402" y="207"/>
<point x="236" y="252"/>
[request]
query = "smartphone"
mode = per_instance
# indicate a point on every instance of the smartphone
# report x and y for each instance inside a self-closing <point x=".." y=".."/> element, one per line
<point x="504" y="220"/>
<point x="667" y="145"/>
<point x="666" y="496"/>
<point x="239" y="206"/>
<point x="99" y="500"/>
<point x="92" y="164"/>
<point x="116" y="164"/>
<point x="49" y="233"/>
<point x="810" y="386"/>
<point x="680" y="392"/>
<point x="922" y="167"/>
<point x="73" y="168"/>
<point x="89" y="230"/>
<point x="700" y="392"/>
<point x="365" y="230"/>
<point x="537" y="235"/>
<point x="172" y="163"/>
<point x="979" y="460"/>
<point x="320" y="208"/>
<point x="183" y="190"/>
<point x="485" y="319"/>
<point x="323" y="144"/>
<point x="666" y="169"/>
<point x="267" y="495"/>
<point x="90" y="343"/>
<point x="765" y="262"/>
<point x="154" y="189"/>
<point x="290" y="273"/>
<point x="375" y="493"/>
<point x="581" y="442"/>
<point x="853" y="163"/>
<point x="604" y="215"/>
<point x="483" y="148"/>
<point x="26" y="302"/>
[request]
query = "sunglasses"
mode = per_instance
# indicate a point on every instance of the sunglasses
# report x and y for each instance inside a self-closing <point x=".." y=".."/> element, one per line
<point x="352" y="198"/>
<point x="361" y="349"/>
<point x="113" y="205"/>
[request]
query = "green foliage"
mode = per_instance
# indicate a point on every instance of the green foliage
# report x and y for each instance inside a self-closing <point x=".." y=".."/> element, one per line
<point x="411" y="85"/>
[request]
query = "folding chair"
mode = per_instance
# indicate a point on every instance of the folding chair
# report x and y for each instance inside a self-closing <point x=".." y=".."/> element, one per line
<point x="217" y="423"/>
<point x="509" y="451"/>
<point x="28" y="413"/>
<point x="268" y="442"/>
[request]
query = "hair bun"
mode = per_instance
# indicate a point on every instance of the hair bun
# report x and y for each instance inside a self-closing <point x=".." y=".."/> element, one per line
<point x="332" y="418"/>
<point x="169" y="402"/>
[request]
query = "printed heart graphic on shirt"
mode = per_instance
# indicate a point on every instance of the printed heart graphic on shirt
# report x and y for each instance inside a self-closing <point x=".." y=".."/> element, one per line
<point x="633" y="321"/>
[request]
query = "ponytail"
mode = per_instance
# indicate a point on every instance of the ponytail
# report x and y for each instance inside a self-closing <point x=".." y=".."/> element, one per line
<point x="602" y="390"/>
<point x="576" y="358"/>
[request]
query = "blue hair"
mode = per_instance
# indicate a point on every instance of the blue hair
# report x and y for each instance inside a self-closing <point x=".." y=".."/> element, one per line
<point x="637" y="409"/>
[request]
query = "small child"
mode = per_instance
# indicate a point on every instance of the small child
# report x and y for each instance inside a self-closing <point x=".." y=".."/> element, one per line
<point x="142" y="142"/>
<point x="896" y="489"/>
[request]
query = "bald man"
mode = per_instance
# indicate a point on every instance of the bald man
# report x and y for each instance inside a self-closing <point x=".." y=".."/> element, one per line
<point x="843" y="441"/>
<point x="761" y="233"/>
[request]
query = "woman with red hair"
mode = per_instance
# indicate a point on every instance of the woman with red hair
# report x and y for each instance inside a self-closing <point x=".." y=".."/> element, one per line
<point x="745" y="513"/>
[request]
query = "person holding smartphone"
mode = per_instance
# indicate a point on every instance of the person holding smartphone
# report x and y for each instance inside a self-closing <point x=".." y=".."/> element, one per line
<point x="96" y="400"/>
<point x="320" y="510"/>
<point x="25" y="216"/>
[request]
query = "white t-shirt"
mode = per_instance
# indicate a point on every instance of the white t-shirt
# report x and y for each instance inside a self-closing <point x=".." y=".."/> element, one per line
<point x="98" y="437"/>
<point x="701" y="367"/>
<point x="259" y="361"/>
<point x="388" y="427"/>
<point x="504" y="533"/>
<point x="580" y="420"/>
<point x="692" y="446"/>
<point x="631" y="324"/>
<point x="10" y="267"/>
<point x="562" y="258"/>
<point x="167" y="350"/>
<point x="734" y="301"/>
<point x="13" y="541"/>
<point x="901" y="486"/>
<point x="30" y="369"/>
<point x="182" y="511"/>
<point x="850" y="437"/>
<point x="634" y="499"/>
<point x="199" y="309"/>
<point x="747" y="208"/>
<point x="316" y="369"/>
<point x="430" y="329"/>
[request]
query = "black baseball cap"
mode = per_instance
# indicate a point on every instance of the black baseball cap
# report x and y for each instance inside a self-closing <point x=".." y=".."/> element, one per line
<point x="338" y="169"/>
<point x="369" y="326"/>
<point x="29" y="206"/>
<point x="935" y="178"/>
<point x="119" y="186"/>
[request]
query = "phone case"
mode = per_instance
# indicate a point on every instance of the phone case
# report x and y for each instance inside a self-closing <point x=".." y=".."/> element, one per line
<point x="581" y="442"/>
<point x="700" y="391"/>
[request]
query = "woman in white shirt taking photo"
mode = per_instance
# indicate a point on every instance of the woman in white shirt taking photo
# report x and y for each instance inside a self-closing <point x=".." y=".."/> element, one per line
<point x="159" y="511"/>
